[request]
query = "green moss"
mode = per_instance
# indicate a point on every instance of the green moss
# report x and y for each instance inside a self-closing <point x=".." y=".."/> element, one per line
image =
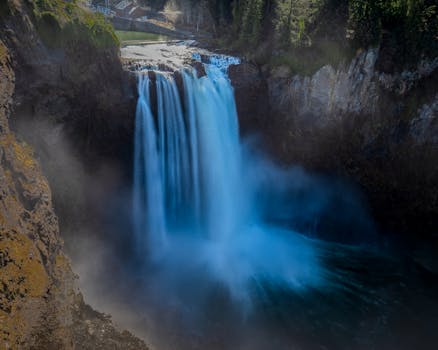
<point x="49" y="28"/>
<point x="307" y="61"/>
<point x="61" y="23"/>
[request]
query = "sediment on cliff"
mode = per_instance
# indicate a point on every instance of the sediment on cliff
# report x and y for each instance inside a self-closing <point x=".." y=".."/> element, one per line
<point x="44" y="89"/>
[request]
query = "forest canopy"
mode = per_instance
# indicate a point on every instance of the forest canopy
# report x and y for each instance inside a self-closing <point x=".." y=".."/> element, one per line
<point x="409" y="27"/>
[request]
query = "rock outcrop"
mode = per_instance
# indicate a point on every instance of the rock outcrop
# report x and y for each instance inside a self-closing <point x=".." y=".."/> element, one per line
<point x="251" y="94"/>
<point x="376" y="128"/>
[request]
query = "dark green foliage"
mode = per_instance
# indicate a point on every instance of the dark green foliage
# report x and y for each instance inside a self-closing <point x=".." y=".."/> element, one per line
<point x="364" y="22"/>
<point x="252" y="17"/>
<point x="221" y="10"/>
<point x="248" y="18"/>
<point x="407" y="30"/>
<point x="287" y="22"/>
<point x="61" y="23"/>
<point x="4" y="8"/>
<point x="409" y="25"/>
<point x="293" y="18"/>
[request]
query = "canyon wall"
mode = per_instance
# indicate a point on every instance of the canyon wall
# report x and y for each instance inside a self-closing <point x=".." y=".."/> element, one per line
<point x="378" y="129"/>
<point x="42" y="90"/>
<point x="74" y="104"/>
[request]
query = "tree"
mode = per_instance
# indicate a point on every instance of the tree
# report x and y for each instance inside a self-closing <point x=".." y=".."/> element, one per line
<point x="248" y="20"/>
<point x="292" y="19"/>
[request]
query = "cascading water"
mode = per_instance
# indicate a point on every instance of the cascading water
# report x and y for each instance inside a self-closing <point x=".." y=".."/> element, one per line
<point x="195" y="194"/>
<point x="148" y="185"/>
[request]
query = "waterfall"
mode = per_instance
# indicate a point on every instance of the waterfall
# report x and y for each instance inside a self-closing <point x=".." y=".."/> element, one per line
<point x="212" y="115"/>
<point x="148" y="183"/>
<point x="187" y="167"/>
<point x="195" y="193"/>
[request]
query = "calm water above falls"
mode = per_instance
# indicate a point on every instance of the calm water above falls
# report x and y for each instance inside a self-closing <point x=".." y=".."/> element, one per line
<point x="233" y="277"/>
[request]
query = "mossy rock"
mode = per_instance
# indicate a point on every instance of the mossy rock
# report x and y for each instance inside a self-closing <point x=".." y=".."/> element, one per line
<point x="61" y="23"/>
<point x="49" y="29"/>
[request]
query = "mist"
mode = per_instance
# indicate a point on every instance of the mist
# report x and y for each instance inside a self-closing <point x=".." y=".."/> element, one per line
<point x="205" y="276"/>
<point x="199" y="290"/>
<point x="218" y="273"/>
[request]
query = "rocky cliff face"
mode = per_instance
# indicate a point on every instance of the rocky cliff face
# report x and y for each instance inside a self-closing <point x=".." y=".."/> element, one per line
<point x="40" y="304"/>
<point x="353" y="120"/>
<point x="76" y="84"/>
<point x="75" y="105"/>
<point x="358" y="89"/>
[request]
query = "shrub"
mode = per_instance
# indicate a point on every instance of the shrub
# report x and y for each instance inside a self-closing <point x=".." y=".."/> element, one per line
<point x="412" y="25"/>
<point x="60" y="23"/>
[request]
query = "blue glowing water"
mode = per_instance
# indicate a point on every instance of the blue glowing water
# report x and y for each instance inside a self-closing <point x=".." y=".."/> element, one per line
<point x="196" y="191"/>
<point x="148" y="185"/>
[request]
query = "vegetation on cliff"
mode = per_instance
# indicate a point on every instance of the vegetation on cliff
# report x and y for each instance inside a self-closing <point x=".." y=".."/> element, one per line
<point x="62" y="22"/>
<point x="286" y="32"/>
<point x="408" y="27"/>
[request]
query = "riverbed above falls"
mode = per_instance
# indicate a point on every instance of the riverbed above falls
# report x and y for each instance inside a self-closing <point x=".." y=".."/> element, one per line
<point x="171" y="55"/>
